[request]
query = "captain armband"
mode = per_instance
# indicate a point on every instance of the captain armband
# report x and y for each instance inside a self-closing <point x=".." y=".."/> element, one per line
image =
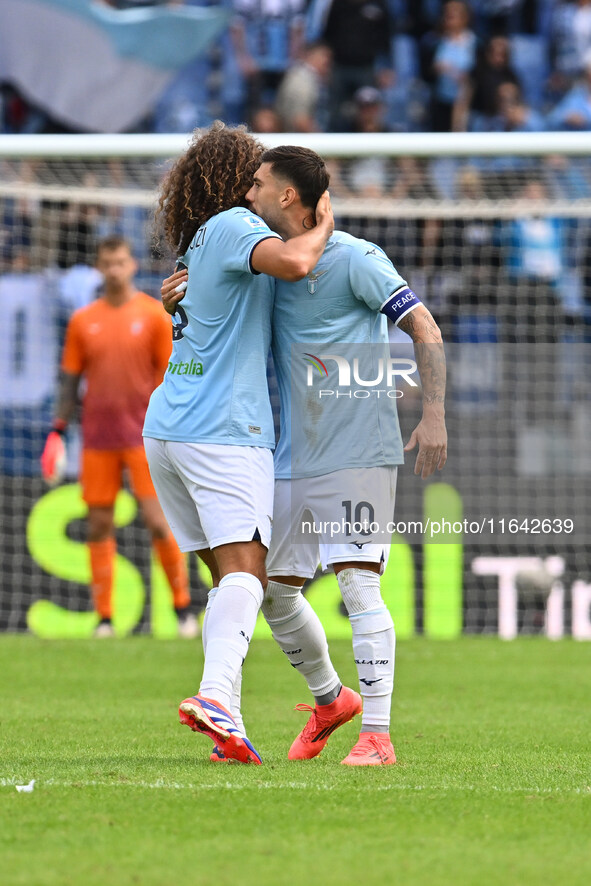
<point x="399" y="304"/>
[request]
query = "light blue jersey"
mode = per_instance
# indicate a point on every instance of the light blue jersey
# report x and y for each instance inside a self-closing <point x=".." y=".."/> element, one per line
<point x="331" y="418"/>
<point x="458" y="55"/>
<point x="215" y="388"/>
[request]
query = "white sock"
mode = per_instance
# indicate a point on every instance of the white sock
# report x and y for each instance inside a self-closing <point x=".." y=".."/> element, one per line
<point x="210" y="598"/>
<point x="237" y="690"/>
<point x="300" y="635"/>
<point x="230" y="622"/>
<point x="236" y="702"/>
<point x="374" y="644"/>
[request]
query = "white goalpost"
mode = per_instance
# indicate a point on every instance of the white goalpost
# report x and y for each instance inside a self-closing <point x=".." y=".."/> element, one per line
<point x="463" y="147"/>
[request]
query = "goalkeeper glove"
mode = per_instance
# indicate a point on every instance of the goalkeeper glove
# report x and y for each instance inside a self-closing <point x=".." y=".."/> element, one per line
<point x="53" y="457"/>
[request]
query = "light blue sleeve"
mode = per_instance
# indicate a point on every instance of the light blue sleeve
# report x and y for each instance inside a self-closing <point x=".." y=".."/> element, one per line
<point x="372" y="275"/>
<point x="241" y="232"/>
<point x="375" y="280"/>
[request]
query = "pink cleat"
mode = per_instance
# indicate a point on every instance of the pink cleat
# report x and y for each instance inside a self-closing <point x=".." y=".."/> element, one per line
<point x="323" y="722"/>
<point x="372" y="749"/>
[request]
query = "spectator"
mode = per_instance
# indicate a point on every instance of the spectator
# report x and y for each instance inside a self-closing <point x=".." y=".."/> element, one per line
<point x="535" y="242"/>
<point x="453" y="57"/>
<point x="369" y="111"/>
<point x="77" y="238"/>
<point x="571" y="37"/>
<point x="573" y="113"/>
<point x="302" y="100"/>
<point x="513" y="114"/>
<point x="464" y="252"/>
<point x="492" y="69"/>
<point x="16" y="235"/>
<point x="130" y="222"/>
<point x="358" y="32"/>
<point x="504" y="17"/>
<point x="265" y="119"/>
<point x="416" y="17"/>
<point x="568" y="177"/>
<point x="535" y="261"/>
<point x="370" y="177"/>
<point x="267" y="36"/>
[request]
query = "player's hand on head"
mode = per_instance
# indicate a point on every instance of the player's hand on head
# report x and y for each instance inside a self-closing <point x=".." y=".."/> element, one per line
<point x="431" y="438"/>
<point x="173" y="290"/>
<point x="324" y="216"/>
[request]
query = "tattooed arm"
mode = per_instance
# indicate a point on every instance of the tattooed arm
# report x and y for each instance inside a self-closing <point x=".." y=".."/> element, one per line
<point x="430" y="433"/>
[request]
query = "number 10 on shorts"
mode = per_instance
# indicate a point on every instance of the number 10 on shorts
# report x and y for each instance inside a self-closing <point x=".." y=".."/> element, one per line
<point x="358" y="520"/>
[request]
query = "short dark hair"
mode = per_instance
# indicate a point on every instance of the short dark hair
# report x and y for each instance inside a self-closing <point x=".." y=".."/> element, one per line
<point x="111" y="243"/>
<point x="302" y="168"/>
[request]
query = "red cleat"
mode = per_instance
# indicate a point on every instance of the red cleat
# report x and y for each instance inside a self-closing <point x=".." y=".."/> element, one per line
<point x="323" y="722"/>
<point x="372" y="749"/>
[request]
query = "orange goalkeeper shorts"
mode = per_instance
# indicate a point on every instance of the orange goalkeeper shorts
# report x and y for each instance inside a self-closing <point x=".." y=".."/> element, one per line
<point x="103" y="471"/>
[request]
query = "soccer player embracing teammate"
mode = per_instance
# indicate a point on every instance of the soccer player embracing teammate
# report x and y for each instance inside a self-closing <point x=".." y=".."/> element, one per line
<point x="347" y="451"/>
<point x="209" y="428"/>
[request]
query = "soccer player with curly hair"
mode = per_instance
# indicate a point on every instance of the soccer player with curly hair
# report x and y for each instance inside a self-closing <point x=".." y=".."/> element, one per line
<point x="209" y="431"/>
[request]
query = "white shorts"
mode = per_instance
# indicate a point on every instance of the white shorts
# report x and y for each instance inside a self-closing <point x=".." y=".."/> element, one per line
<point x="335" y="518"/>
<point x="213" y="494"/>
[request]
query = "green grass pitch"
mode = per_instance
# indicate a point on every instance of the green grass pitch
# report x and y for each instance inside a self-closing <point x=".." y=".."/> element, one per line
<point x="493" y="784"/>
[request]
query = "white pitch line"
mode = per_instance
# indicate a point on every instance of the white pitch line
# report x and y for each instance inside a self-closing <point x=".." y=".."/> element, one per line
<point x="159" y="784"/>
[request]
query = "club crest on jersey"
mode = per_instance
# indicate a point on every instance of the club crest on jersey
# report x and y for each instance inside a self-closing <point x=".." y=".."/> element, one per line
<point x="313" y="281"/>
<point x="177" y="327"/>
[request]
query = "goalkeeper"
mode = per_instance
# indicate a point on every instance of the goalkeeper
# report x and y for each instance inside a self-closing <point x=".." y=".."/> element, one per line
<point x="119" y="345"/>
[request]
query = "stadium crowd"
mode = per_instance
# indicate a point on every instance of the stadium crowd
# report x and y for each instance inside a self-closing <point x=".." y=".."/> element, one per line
<point x="363" y="66"/>
<point x="373" y="65"/>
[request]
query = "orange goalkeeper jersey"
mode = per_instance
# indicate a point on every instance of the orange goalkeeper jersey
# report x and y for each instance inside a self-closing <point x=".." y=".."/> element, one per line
<point x="122" y="353"/>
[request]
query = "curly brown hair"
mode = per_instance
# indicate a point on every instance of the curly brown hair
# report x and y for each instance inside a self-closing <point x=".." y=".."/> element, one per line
<point x="214" y="174"/>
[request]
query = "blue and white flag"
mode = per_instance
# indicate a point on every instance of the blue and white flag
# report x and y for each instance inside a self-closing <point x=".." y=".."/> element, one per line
<point x="93" y="67"/>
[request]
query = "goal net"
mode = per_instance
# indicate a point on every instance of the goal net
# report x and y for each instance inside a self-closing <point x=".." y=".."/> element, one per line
<point x="493" y="232"/>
